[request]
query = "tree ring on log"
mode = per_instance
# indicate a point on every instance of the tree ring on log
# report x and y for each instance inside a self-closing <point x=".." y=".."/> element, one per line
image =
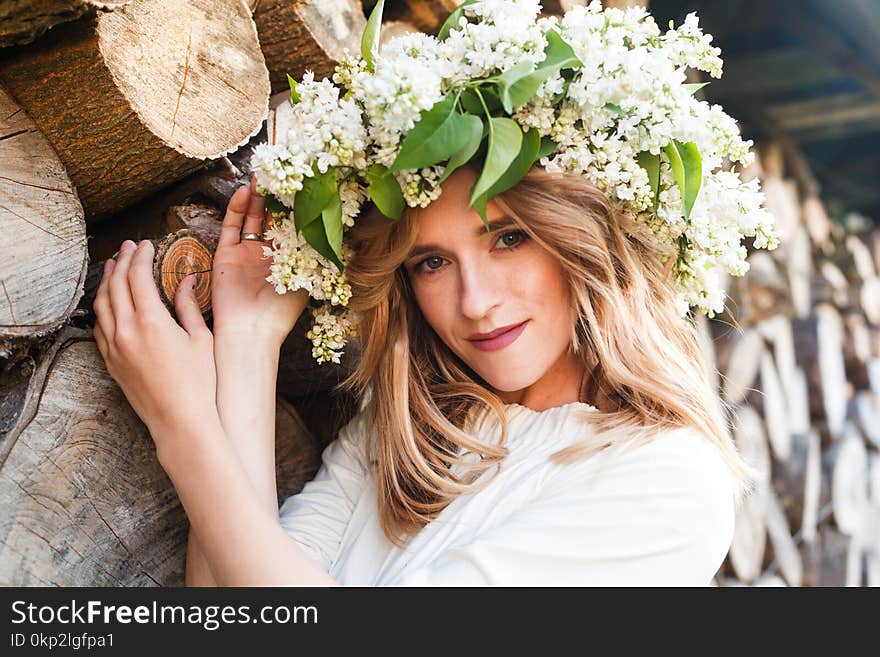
<point x="178" y="255"/>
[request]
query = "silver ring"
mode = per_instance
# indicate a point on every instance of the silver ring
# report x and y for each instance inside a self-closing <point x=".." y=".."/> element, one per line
<point x="252" y="236"/>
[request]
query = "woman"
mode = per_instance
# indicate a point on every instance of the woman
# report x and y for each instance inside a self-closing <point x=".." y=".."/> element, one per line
<point x="582" y="445"/>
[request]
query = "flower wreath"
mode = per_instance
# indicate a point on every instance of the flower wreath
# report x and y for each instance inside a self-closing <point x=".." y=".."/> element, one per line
<point x="598" y="92"/>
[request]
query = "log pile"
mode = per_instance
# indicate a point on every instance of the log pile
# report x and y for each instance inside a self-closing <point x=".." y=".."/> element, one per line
<point x="128" y="120"/>
<point x="798" y="351"/>
<point x="119" y="121"/>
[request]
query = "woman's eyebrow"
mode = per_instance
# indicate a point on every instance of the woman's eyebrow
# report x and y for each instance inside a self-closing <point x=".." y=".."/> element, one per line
<point x="500" y="223"/>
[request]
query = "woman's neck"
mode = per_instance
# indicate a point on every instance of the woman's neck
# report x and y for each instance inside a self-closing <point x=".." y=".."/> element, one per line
<point x="561" y="384"/>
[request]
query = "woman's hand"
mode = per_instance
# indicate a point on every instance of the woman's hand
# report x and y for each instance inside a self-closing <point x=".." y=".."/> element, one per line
<point x="244" y="303"/>
<point x="165" y="370"/>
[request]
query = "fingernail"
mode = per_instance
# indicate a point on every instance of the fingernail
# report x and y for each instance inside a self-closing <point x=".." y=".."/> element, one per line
<point x="144" y="243"/>
<point x="108" y="264"/>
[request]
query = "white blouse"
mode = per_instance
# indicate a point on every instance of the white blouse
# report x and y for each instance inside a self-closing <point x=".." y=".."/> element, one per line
<point x="661" y="514"/>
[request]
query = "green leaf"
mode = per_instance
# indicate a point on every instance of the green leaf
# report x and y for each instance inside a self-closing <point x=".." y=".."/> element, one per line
<point x="528" y="154"/>
<point x="521" y="164"/>
<point x="317" y="191"/>
<point x="325" y="236"/>
<point x="559" y="54"/>
<point x="370" y="39"/>
<point x="519" y="84"/>
<point x="651" y="164"/>
<point x="294" y="94"/>
<point x="276" y="207"/>
<point x="505" y="142"/>
<point x="439" y="134"/>
<point x="474" y="128"/>
<point x="385" y="191"/>
<point x="470" y="99"/>
<point x="687" y="169"/>
<point x="615" y="109"/>
<point x="331" y="217"/>
<point x="695" y="87"/>
<point x="451" y="22"/>
<point x="547" y="147"/>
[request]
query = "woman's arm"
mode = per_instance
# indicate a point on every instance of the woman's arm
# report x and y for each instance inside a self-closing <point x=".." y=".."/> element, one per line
<point x="246" y="373"/>
<point x="250" y="322"/>
<point x="241" y="538"/>
<point x="167" y="372"/>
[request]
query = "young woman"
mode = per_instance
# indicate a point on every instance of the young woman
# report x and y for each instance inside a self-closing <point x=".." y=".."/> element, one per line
<point x="535" y="411"/>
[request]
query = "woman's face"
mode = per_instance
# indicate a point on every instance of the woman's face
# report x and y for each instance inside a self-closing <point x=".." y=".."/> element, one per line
<point x="469" y="283"/>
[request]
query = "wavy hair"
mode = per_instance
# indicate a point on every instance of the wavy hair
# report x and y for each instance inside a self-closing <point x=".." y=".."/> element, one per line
<point x="640" y="357"/>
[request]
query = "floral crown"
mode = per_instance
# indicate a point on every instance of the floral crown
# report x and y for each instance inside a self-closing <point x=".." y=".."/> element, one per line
<point x="601" y="93"/>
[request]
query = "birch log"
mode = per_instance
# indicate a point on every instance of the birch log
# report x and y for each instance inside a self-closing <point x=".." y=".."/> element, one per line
<point x="22" y="21"/>
<point x="134" y="99"/>
<point x="86" y="502"/>
<point x="42" y="232"/>
<point x="297" y="36"/>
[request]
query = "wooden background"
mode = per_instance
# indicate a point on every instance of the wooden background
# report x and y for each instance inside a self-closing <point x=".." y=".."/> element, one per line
<point x="121" y="121"/>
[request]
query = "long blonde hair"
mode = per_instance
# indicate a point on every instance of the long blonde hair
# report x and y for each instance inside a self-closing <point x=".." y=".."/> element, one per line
<point x="421" y="394"/>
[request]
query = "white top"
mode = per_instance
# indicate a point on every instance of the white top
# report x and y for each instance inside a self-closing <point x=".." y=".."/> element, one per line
<point x="661" y="514"/>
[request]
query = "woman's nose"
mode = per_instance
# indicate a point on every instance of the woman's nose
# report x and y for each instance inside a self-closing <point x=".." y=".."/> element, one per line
<point x="479" y="291"/>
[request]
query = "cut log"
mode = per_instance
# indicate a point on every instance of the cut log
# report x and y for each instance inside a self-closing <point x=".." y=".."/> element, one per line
<point x="785" y="550"/>
<point x="834" y="549"/>
<point x="869" y="299"/>
<point x="22" y="21"/>
<point x="297" y="36"/>
<point x="818" y="341"/>
<point x="866" y="412"/>
<point x="424" y="15"/>
<point x="771" y="403"/>
<point x="749" y="538"/>
<point x="177" y="256"/>
<point x="797" y="482"/>
<point x="741" y="363"/>
<point x="816" y="220"/>
<point x="857" y="350"/>
<point x="799" y="268"/>
<point x="849" y="493"/>
<point x="394" y="29"/>
<point x="707" y="349"/>
<point x="42" y="232"/>
<point x="863" y="261"/>
<point x="783" y="203"/>
<point x="86" y="502"/>
<point x="166" y="87"/>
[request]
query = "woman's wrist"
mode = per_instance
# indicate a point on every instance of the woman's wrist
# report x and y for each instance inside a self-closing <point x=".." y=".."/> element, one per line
<point x="178" y="445"/>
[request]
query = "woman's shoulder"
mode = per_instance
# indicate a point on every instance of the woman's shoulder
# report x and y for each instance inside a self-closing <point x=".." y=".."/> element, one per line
<point x="678" y="473"/>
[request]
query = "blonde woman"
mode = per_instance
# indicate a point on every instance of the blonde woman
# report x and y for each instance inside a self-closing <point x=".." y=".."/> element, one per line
<point x="535" y="411"/>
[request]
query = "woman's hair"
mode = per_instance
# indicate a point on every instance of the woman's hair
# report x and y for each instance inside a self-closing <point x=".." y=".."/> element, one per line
<point x="638" y="353"/>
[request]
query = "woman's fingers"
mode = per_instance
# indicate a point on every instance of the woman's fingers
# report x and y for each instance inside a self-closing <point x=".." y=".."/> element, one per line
<point x="101" y="304"/>
<point x="100" y="340"/>
<point x="140" y="278"/>
<point x="230" y="232"/>
<point x="186" y="305"/>
<point x="256" y="212"/>
<point x="120" y="295"/>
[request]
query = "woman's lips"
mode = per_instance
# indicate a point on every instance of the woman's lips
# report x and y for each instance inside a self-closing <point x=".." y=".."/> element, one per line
<point x="500" y="341"/>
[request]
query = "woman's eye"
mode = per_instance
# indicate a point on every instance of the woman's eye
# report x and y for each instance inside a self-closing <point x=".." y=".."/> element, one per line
<point x="429" y="265"/>
<point x="511" y="238"/>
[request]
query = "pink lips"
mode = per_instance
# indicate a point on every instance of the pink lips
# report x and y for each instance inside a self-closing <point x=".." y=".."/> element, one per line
<point x="501" y="340"/>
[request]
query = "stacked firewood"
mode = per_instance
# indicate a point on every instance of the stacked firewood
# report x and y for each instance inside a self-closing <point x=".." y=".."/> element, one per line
<point x="118" y="121"/>
<point x="798" y="352"/>
<point x="129" y="119"/>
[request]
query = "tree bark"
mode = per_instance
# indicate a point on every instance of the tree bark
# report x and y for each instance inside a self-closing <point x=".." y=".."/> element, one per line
<point x="22" y="21"/>
<point x="137" y="98"/>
